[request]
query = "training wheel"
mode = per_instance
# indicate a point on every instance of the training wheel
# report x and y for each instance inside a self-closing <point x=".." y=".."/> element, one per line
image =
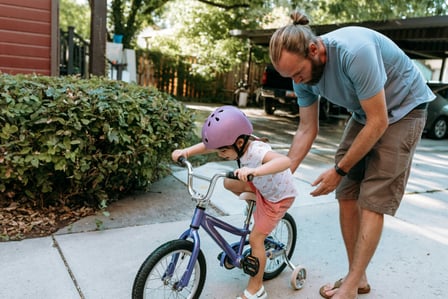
<point x="298" y="278"/>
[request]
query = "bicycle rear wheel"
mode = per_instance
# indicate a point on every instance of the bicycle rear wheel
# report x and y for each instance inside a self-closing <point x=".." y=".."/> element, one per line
<point x="286" y="233"/>
<point x="154" y="281"/>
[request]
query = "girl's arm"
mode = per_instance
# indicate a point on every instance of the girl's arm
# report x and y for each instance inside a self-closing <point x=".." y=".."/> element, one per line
<point x="273" y="162"/>
<point x="197" y="149"/>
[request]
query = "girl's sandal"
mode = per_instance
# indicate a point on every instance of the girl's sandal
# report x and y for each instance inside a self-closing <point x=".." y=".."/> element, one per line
<point x="260" y="294"/>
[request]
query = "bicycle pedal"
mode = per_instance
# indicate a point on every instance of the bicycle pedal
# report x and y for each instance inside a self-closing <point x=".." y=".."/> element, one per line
<point x="251" y="265"/>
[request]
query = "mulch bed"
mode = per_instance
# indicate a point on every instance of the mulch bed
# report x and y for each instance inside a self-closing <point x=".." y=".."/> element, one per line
<point x="20" y="221"/>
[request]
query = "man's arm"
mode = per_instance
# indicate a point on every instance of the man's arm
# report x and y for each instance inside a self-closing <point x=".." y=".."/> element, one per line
<point x="305" y="134"/>
<point x="376" y="124"/>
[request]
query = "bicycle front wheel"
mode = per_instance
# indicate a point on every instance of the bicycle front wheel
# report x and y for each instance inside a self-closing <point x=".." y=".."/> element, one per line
<point x="285" y="233"/>
<point x="160" y="274"/>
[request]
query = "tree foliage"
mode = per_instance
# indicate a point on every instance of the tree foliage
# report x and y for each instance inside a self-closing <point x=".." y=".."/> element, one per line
<point x="365" y="10"/>
<point x="201" y="28"/>
<point x="75" y="14"/>
<point x="127" y="17"/>
<point x="202" y="31"/>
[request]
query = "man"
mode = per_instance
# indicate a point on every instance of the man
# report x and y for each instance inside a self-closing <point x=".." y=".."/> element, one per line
<point x="366" y="73"/>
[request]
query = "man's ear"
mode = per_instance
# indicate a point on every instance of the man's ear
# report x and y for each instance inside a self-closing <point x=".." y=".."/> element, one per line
<point x="313" y="50"/>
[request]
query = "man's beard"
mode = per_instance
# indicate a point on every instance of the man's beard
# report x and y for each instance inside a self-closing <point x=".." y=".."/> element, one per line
<point x="317" y="70"/>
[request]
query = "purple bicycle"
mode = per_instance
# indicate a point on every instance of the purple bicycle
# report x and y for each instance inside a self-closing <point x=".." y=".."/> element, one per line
<point x="177" y="268"/>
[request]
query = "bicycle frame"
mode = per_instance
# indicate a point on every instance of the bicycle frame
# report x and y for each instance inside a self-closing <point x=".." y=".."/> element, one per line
<point x="202" y="219"/>
<point x="210" y="224"/>
<point x="178" y="267"/>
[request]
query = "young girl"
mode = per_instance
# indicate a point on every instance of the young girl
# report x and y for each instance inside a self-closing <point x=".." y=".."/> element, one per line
<point x="228" y="132"/>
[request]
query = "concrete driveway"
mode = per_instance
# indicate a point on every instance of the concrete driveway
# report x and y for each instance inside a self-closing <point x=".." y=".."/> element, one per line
<point x="81" y="261"/>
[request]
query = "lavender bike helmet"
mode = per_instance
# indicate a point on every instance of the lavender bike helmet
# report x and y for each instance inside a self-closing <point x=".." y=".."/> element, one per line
<point x="224" y="126"/>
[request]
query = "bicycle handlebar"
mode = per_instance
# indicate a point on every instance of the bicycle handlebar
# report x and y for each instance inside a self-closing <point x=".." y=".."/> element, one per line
<point x="190" y="175"/>
<point x="231" y="175"/>
<point x="181" y="160"/>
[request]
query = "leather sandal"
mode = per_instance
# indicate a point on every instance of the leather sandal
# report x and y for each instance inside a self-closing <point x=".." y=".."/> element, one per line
<point x="337" y="285"/>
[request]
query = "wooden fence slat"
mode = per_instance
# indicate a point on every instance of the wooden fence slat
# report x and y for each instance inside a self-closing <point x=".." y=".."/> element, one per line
<point x="176" y="78"/>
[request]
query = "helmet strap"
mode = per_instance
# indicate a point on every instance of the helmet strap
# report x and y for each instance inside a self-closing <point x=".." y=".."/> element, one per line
<point x="240" y="151"/>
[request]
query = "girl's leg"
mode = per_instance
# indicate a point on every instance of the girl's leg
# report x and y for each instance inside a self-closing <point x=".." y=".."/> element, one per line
<point x="236" y="186"/>
<point x="256" y="240"/>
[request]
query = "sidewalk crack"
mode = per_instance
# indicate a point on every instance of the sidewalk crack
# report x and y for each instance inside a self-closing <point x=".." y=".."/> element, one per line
<point x="69" y="270"/>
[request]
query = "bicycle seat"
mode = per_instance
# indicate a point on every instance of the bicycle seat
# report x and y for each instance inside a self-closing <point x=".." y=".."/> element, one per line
<point x="248" y="196"/>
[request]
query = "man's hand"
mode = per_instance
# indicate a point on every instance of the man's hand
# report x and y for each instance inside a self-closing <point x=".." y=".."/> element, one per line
<point x="326" y="182"/>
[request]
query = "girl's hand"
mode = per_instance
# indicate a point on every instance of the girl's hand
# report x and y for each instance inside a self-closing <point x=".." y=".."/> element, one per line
<point x="243" y="173"/>
<point x="176" y="154"/>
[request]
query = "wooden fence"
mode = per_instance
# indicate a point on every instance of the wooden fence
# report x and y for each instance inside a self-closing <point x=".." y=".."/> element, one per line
<point x="241" y="74"/>
<point x="175" y="78"/>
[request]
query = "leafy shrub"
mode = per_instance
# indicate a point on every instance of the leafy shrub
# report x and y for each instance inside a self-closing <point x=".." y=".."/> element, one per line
<point x="67" y="140"/>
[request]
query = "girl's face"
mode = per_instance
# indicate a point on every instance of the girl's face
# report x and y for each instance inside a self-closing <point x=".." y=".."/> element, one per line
<point x="227" y="153"/>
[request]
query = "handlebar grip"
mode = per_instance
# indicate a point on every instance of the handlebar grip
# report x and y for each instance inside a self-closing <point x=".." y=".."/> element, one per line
<point x="232" y="176"/>
<point x="182" y="160"/>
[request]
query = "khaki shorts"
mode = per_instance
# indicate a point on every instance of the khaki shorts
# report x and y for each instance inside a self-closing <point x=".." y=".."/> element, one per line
<point x="379" y="180"/>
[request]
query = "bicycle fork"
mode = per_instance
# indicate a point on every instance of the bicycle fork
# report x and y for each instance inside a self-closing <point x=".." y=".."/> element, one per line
<point x="191" y="233"/>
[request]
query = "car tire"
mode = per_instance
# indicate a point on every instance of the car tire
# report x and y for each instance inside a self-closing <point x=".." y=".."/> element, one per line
<point x="324" y="109"/>
<point x="268" y="105"/>
<point x="439" y="128"/>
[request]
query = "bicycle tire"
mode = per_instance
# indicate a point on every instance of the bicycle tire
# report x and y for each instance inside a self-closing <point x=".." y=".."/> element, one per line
<point x="285" y="232"/>
<point x="149" y="282"/>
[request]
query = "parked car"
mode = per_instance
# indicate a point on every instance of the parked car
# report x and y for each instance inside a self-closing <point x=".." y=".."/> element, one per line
<point x="277" y="92"/>
<point x="437" y="123"/>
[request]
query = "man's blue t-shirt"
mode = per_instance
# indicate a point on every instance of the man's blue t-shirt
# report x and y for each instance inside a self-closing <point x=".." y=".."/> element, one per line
<point x="360" y="62"/>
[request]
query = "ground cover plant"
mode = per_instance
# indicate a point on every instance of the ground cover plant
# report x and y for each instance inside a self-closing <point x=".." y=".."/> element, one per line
<point x="69" y="146"/>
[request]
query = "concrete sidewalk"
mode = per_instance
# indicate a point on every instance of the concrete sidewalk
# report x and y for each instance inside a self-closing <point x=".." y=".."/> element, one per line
<point x="81" y="262"/>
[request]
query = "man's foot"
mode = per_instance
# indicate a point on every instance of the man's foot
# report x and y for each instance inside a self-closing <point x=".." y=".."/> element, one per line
<point x="327" y="291"/>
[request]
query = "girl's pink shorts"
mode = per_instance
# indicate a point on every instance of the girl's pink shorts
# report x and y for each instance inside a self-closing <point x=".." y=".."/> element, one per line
<point x="268" y="214"/>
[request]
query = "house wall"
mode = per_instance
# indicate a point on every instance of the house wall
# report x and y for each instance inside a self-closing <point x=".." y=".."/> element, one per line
<point x="28" y="36"/>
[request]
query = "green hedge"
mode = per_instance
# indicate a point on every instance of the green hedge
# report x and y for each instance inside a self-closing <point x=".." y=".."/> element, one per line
<point x="64" y="139"/>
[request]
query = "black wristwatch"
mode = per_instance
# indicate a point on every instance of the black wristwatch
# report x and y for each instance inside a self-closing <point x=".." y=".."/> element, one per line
<point x="339" y="171"/>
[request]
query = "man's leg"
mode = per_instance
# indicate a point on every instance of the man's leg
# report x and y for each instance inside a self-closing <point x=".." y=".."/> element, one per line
<point x="384" y="193"/>
<point x="360" y="251"/>
<point x="370" y="229"/>
<point x="349" y="218"/>
<point x="349" y="215"/>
